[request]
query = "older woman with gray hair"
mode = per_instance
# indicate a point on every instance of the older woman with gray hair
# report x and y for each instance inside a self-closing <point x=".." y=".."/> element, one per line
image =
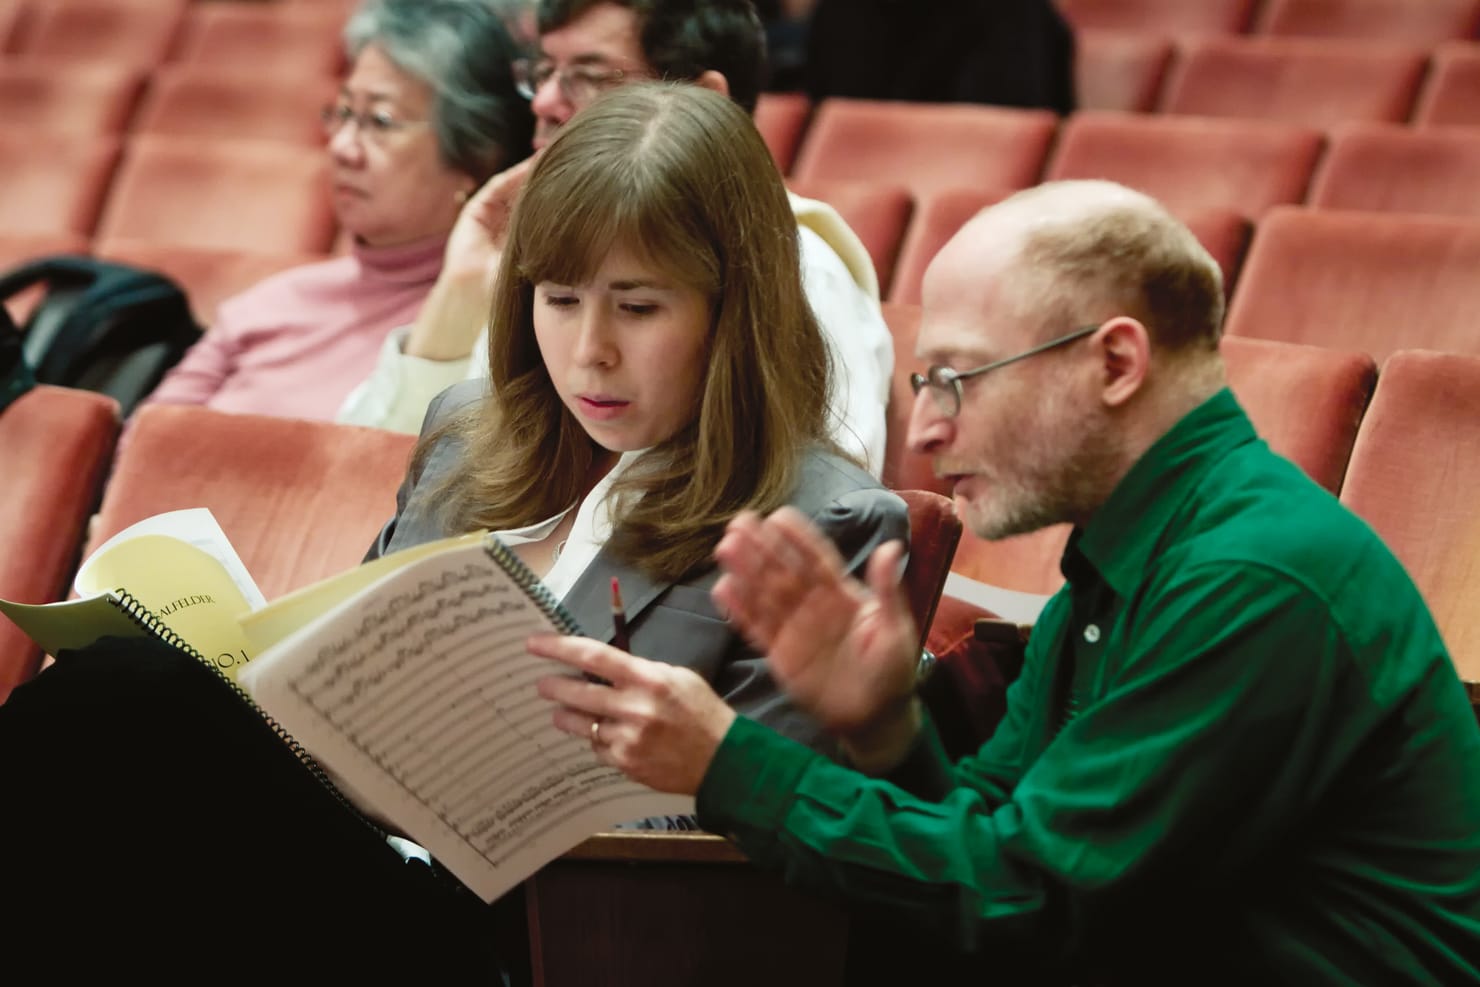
<point x="426" y="114"/>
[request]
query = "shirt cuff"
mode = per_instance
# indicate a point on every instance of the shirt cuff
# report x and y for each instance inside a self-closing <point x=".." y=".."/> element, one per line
<point x="752" y="780"/>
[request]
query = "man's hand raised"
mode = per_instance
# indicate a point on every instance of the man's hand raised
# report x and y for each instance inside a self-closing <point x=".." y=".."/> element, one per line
<point x="845" y="652"/>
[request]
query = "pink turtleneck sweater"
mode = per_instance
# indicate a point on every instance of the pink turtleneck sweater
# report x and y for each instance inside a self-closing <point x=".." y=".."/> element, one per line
<point x="295" y="344"/>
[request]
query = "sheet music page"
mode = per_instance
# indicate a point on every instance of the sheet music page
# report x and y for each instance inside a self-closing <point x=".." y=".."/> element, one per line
<point x="419" y="693"/>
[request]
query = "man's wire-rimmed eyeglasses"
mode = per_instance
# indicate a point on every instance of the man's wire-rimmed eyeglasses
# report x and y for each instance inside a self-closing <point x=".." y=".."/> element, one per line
<point x="945" y="383"/>
<point x="579" y="84"/>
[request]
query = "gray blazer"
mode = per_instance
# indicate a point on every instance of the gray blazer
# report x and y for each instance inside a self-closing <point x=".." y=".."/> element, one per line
<point x="677" y="622"/>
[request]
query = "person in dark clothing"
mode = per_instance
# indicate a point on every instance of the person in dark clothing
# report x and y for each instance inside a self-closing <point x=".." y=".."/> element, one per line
<point x="1004" y="52"/>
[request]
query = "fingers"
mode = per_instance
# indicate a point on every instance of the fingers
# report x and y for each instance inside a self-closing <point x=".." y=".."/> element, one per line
<point x="588" y="655"/>
<point x="775" y="567"/>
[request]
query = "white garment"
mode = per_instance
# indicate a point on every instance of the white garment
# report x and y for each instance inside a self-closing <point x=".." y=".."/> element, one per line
<point x="840" y="284"/>
<point x="589" y="532"/>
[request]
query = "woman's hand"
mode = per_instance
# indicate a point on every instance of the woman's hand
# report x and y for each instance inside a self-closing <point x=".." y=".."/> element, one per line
<point x="843" y="652"/>
<point x="658" y="723"/>
<point x="456" y="309"/>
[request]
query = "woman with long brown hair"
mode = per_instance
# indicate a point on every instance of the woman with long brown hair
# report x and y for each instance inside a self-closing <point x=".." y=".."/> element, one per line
<point x="654" y="370"/>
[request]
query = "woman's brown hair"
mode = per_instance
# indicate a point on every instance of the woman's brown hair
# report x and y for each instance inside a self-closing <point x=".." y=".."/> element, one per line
<point x="678" y="175"/>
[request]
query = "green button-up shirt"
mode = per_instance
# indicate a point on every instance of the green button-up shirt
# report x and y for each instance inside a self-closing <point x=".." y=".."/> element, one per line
<point x="1238" y="751"/>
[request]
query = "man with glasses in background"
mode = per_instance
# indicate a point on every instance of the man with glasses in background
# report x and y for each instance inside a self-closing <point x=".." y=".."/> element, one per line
<point x="587" y="47"/>
<point x="1238" y="751"/>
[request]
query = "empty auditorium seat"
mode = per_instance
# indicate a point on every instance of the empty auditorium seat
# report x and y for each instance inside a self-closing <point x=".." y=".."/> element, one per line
<point x="53" y="183"/>
<point x="209" y="276"/>
<point x="80" y="99"/>
<point x="937" y="218"/>
<point x="1370" y="282"/>
<point x="299" y="500"/>
<point x="1451" y="96"/>
<point x="12" y="13"/>
<point x="1413" y="475"/>
<point x="1305" y="401"/>
<point x="1295" y="80"/>
<point x="782" y="119"/>
<point x="122" y="31"/>
<point x="1162" y="16"/>
<point x="1191" y="163"/>
<point x="925" y="147"/>
<point x="1393" y="168"/>
<point x="56" y="444"/>
<point x="878" y="213"/>
<point x="205" y="102"/>
<point x="1120" y="70"/>
<point x="304" y="41"/>
<point x="222" y="194"/>
<point x="1422" y="22"/>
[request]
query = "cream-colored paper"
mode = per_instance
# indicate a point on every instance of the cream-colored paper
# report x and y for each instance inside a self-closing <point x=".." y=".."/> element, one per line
<point x="418" y="691"/>
<point x="182" y="586"/>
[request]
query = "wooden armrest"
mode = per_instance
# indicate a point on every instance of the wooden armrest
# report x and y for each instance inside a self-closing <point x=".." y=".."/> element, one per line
<point x="642" y="908"/>
<point x="662" y="846"/>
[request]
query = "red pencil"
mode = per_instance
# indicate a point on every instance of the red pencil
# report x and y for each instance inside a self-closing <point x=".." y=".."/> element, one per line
<point x="619" y="619"/>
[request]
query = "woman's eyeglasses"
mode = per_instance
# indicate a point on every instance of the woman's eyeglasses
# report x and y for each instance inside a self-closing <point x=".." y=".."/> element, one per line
<point x="376" y="126"/>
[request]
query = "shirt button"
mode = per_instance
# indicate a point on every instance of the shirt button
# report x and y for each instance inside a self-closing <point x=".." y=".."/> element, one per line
<point x="1092" y="633"/>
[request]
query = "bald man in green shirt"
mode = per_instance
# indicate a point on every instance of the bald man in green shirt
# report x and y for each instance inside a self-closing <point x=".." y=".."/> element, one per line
<point x="1238" y="751"/>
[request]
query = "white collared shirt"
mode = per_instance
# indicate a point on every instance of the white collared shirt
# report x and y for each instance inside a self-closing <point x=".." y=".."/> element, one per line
<point x="592" y="528"/>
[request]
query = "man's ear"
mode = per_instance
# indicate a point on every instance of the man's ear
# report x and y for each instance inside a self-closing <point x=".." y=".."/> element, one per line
<point x="1125" y="346"/>
<point x="710" y="79"/>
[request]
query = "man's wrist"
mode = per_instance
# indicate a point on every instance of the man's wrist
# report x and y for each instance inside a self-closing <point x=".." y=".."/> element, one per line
<point x="884" y="744"/>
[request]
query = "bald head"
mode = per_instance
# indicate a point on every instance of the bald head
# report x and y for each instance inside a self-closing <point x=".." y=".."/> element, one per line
<point x="1082" y="252"/>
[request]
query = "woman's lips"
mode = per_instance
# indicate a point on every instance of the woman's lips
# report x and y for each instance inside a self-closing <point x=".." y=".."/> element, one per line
<point x="600" y="407"/>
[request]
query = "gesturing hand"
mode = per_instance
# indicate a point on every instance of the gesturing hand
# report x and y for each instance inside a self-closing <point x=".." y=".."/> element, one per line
<point x="660" y="724"/>
<point x="844" y="652"/>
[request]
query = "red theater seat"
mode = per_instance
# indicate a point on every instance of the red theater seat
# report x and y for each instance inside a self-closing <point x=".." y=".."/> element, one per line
<point x="300" y="500"/>
<point x="209" y="276"/>
<point x="81" y="99"/>
<point x="222" y="194"/>
<point x="1413" y="475"/>
<point x="1191" y="163"/>
<point x="1294" y="80"/>
<point x="1452" y="94"/>
<point x="782" y="119"/>
<point x="1163" y="16"/>
<point x="1392" y="168"/>
<point x="1422" y="22"/>
<point x="53" y="183"/>
<point x="1120" y="70"/>
<point x="304" y="41"/>
<point x="127" y="32"/>
<point x="1367" y="282"/>
<point x="56" y="444"/>
<point x="206" y="102"/>
<point x="925" y="147"/>
<point x="878" y="213"/>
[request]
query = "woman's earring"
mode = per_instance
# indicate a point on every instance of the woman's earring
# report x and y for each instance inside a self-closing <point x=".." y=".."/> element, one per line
<point x="461" y="196"/>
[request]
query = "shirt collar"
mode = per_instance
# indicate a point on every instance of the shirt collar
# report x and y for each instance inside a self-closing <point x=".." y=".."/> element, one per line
<point x="1122" y="534"/>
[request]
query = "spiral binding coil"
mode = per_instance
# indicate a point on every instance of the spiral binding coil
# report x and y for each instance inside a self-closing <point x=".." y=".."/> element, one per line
<point x="145" y="618"/>
<point x="531" y="584"/>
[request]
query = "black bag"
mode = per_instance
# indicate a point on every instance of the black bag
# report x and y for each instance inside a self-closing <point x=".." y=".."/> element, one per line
<point x="15" y="373"/>
<point x="102" y="326"/>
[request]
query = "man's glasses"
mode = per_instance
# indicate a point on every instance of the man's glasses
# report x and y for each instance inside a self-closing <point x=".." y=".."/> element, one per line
<point x="579" y="84"/>
<point x="945" y="383"/>
<point x="376" y="126"/>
